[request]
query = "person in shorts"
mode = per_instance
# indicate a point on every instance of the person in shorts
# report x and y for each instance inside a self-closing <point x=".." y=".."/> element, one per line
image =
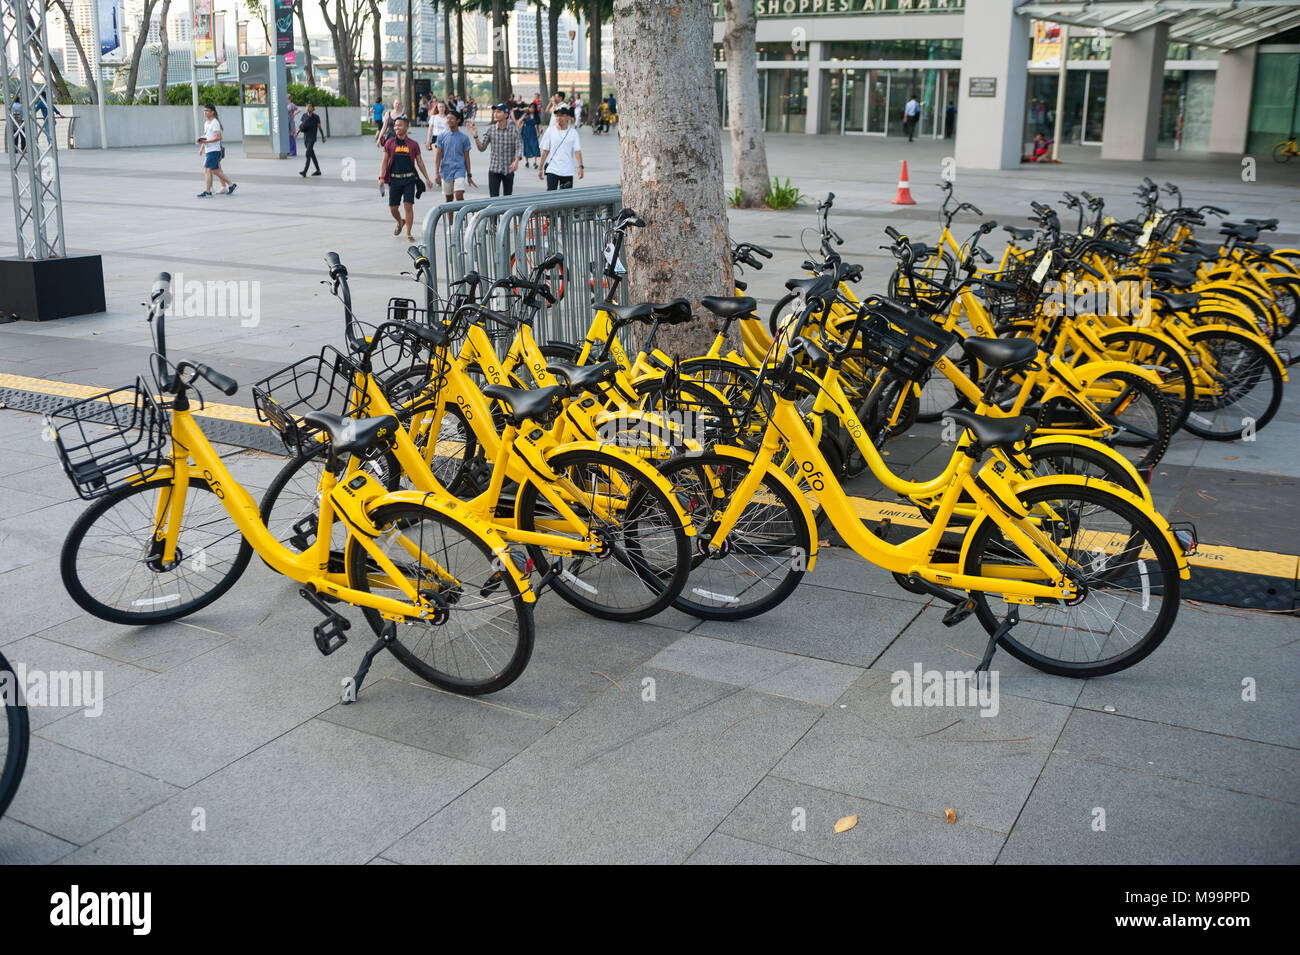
<point x="210" y="150"/>
<point x="451" y="160"/>
<point x="402" y="159"/>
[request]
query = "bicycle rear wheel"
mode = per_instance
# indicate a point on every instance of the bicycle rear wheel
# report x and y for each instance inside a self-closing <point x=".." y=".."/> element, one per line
<point x="14" y="735"/>
<point x="112" y="565"/>
<point x="1127" y="570"/>
<point x="644" y="554"/>
<point x="1136" y="409"/>
<point x="482" y="638"/>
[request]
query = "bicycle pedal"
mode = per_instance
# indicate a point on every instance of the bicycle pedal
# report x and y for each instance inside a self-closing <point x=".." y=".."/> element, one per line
<point x="883" y="530"/>
<point x="958" y="612"/>
<point x="304" y="533"/>
<point x="331" y="634"/>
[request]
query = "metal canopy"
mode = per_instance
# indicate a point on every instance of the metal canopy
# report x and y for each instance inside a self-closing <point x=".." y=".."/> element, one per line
<point x="1221" y="24"/>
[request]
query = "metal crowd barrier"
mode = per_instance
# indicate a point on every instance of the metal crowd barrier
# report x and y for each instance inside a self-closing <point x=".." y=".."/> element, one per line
<point x="496" y="237"/>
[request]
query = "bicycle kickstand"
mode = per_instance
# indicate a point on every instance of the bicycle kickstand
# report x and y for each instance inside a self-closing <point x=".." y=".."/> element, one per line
<point x="1012" y="618"/>
<point x="386" y="637"/>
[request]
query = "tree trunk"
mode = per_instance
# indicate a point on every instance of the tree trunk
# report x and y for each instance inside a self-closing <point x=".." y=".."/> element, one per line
<point x="593" y="60"/>
<point x="142" y="38"/>
<point x="377" y="37"/>
<point x="670" y="161"/>
<point x="460" y="51"/>
<point x="446" y="47"/>
<point x="748" y="143"/>
<point x="542" y="89"/>
<point x="553" y="15"/>
<point x="86" y="69"/>
<point x="165" y="53"/>
<point x="408" y="88"/>
<point x="507" y="80"/>
<point x="498" y="51"/>
<point x="306" y="43"/>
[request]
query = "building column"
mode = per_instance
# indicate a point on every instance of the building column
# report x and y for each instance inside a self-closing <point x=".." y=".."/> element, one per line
<point x="1234" y="82"/>
<point x="1137" y="73"/>
<point x="812" y="122"/>
<point x="994" y="64"/>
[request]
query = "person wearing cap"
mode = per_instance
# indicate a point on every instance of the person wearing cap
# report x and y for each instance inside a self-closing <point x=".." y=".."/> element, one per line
<point x="561" y="152"/>
<point x="507" y="149"/>
<point x="451" y="160"/>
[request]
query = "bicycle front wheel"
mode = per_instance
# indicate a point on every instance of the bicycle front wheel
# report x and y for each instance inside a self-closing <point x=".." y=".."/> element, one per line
<point x="1238" y="385"/>
<point x="14" y="735"/>
<point x="642" y="553"/>
<point x="760" y="562"/>
<point x="482" y="637"/>
<point x="1127" y="572"/>
<point x="113" y="566"/>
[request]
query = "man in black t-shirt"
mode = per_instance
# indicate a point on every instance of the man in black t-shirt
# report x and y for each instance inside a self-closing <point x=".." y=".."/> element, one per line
<point x="310" y="128"/>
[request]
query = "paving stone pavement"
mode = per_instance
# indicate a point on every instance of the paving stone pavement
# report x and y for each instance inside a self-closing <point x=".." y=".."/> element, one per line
<point x="673" y="740"/>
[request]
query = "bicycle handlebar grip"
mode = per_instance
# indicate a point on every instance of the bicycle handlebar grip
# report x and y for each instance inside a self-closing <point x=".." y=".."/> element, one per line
<point x="975" y="209"/>
<point x="1038" y="207"/>
<point x="987" y="227"/>
<point x="893" y="233"/>
<point x="223" y="383"/>
<point x="415" y="252"/>
<point x="761" y="251"/>
<point x="337" y="268"/>
<point x="551" y="261"/>
<point x="161" y="285"/>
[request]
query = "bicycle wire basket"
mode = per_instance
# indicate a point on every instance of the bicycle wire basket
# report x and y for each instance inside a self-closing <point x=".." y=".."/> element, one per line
<point x="1028" y="290"/>
<point x="111" y="440"/>
<point x="325" y="382"/>
<point x="906" y="344"/>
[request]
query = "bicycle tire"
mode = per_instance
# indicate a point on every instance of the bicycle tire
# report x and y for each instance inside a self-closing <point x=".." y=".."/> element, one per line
<point x="467" y="556"/>
<point x="1149" y="439"/>
<point x="1147" y="582"/>
<point x="1165" y="359"/>
<point x="1251" y="364"/>
<point x="654" y="564"/>
<point x="16" y="735"/>
<point x="719" y="584"/>
<point x="126" y="565"/>
<point x="1282" y="153"/>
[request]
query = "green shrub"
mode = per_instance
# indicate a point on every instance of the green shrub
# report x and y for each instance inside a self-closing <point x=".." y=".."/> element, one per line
<point x="734" y="197"/>
<point x="314" y="94"/>
<point x="783" y="195"/>
<point x="217" y="95"/>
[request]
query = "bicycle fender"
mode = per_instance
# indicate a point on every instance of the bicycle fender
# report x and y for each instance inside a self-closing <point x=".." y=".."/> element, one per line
<point x="740" y="454"/>
<point x="1091" y="371"/>
<point x="1080" y="441"/>
<point x="1253" y="336"/>
<point x="635" y="463"/>
<point x="1184" y="571"/>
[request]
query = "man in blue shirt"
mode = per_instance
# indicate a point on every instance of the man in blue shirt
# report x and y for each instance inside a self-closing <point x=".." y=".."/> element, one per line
<point x="377" y="111"/>
<point x="451" y="160"/>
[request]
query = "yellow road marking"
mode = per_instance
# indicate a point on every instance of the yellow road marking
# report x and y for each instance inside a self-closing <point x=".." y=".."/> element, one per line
<point x="70" y="390"/>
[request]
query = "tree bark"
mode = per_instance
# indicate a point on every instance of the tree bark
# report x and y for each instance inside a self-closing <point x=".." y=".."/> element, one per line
<point x="71" y="28"/>
<point x="748" y="142"/>
<point x="543" y="90"/>
<point x="460" y="50"/>
<point x="498" y="51"/>
<point x="142" y="38"/>
<point x="164" y="55"/>
<point x="377" y="39"/>
<point x="593" y="60"/>
<point x="553" y="16"/>
<point x="446" y="47"/>
<point x="670" y="161"/>
<point x="306" y="43"/>
<point x="408" y="88"/>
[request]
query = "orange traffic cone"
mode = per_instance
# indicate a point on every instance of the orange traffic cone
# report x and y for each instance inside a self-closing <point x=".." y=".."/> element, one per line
<point x="904" y="197"/>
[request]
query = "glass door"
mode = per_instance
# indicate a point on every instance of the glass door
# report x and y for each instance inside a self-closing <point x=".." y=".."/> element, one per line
<point x="855" y="100"/>
<point x="832" y="118"/>
<point x="1094" y="116"/>
<point x="878" y="102"/>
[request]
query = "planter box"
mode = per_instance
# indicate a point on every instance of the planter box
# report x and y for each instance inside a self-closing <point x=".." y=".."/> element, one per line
<point x="38" y="290"/>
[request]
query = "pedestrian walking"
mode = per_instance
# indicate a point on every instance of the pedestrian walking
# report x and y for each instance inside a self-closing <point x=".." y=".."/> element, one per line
<point x="422" y="117"/>
<point x="16" y="124"/>
<point x="911" y="114"/>
<point x="310" y="129"/>
<point x="451" y="160"/>
<point x="387" y="125"/>
<point x="437" y="124"/>
<point x="210" y="149"/>
<point x="561" y="152"/>
<point x="377" y="112"/>
<point x="528" y="133"/>
<point x="507" y="146"/>
<point x="403" y="166"/>
<point x="293" y="125"/>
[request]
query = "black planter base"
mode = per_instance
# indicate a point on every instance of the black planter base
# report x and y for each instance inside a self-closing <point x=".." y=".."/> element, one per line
<point x="38" y="290"/>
